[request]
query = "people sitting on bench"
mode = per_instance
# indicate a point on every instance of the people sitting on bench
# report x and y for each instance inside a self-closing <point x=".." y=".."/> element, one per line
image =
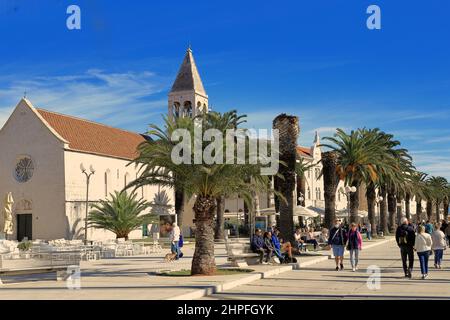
<point x="283" y="249"/>
<point x="268" y="245"/>
<point x="310" y="238"/>
<point x="298" y="240"/>
<point x="257" y="246"/>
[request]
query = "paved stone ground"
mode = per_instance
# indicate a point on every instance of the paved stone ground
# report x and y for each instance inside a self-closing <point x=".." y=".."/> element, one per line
<point x="121" y="278"/>
<point x="321" y="281"/>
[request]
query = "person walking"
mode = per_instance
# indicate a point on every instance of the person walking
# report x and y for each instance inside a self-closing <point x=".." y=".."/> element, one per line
<point x="369" y="231"/>
<point x="174" y="238"/>
<point x="354" y="245"/>
<point x="422" y="245"/>
<point x="405" y="237"/>
<point x="337" y="240"/>
<point x="447" y="233"/>
<point x="439" y="244"/>
<point x="429" y="227"/>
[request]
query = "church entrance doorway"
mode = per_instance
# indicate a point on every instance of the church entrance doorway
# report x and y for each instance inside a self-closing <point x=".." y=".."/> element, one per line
<point x="24" y="226"/>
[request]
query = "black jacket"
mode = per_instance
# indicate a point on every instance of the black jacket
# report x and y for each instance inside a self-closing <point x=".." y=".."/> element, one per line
<point x="410" y="238"/>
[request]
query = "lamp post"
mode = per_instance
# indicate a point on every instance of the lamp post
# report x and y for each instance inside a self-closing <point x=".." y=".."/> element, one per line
<point x="88" y="177"/>
<point x="347" y="191"/>
<point x="301" y="199"/>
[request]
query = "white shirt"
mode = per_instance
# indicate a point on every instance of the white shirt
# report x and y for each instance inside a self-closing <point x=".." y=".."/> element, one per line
<point x="423" y="242"/>
<point x="438" y="238"/>
<point x="175" y="234"/>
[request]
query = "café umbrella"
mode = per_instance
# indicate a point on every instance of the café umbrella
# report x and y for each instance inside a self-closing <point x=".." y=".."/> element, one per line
<point x="7" y="213"/>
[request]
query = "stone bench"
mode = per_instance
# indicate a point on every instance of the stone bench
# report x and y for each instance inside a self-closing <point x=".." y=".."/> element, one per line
<point x="240" y="254"/>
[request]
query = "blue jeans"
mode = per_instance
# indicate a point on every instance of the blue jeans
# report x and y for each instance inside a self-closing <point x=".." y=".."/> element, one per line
<point x="369" y="235"/>
<point x="175" y="248"/>
<point x="423" y="259"/>
<point x="354" y="256"/>
<point x="438" y="255"/>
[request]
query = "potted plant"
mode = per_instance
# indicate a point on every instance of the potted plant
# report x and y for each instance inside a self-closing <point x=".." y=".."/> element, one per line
<point x="24" y="248"/>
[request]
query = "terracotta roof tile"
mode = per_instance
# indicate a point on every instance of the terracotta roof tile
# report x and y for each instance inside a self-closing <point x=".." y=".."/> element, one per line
<point x="303" y="151"/>
<point x="87" y="136"/>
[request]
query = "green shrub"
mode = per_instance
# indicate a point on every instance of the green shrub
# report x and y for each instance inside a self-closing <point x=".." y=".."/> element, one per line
<point x="24" y="245"/>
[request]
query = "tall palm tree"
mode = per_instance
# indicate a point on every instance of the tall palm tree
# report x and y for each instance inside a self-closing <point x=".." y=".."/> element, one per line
<point x="205" y="181"/>
<point x="359" y="155"/>
<point x="437" y="192"/>
<point x="330" y="182"/>
<point x="120" y="214"/>
<point x="288" y="129"/>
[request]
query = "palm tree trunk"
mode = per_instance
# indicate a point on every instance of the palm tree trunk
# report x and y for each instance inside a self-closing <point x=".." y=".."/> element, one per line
<point x="392" y="206"/>
<point x="429" y="209"/>
<point x="399" y="209"/>
<point x="219" y="230"/>
<point x="330" y="181"/>
<point x="288" y="134"/>
<point x="418" y="209"/>
<point x="371" y="195"/>
<point x="438" y="216"/>
<point x="383" y="210"/>
<point x="179" y="206"/>
<point x="354" y="204"/>
<point x="446" y="205"/>
<point x="203" y="262"/>
<point x="408" y="206"/>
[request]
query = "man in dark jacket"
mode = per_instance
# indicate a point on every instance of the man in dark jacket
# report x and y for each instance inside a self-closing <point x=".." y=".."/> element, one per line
<point x="337" y="240"/>
<point x="257" y="244"/>
<point x="406" y="237"/>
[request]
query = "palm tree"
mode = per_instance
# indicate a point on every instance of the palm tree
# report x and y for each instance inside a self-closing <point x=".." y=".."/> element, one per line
<point x="359" y="155"/>
<point x="205" y="181"/>
<point x="330" y="182"/>
<point x="288" y="129"/>
<point x="437" y="192"/>
<point x="121" y="214"/>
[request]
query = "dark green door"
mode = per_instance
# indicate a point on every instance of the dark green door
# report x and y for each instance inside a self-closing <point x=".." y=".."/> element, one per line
<point x="24" y="226"/>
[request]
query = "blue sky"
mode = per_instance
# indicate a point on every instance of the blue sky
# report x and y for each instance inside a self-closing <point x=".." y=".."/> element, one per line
<point x="315" y="59"/>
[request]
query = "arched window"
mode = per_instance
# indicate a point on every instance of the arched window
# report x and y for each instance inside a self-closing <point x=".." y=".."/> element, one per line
<point x="187" y="109"/>
<point x="176" y="109"/>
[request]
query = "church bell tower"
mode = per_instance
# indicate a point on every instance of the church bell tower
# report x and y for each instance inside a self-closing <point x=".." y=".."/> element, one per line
<point x="188" y="97"/>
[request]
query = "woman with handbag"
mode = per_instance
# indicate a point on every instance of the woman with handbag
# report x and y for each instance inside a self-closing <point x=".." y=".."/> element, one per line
<point x="354" y="245"/>
<point x="439" y="245"/>
<point x="423" y="247"/>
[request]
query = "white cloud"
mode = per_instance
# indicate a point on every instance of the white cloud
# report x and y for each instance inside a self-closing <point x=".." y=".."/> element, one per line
<point x="117" y="99"/>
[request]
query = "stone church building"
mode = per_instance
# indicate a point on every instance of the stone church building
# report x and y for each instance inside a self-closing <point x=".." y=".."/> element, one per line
<point x="42" y="152"/>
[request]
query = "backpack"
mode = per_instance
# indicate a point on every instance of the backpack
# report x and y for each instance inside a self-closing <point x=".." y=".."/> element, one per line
<point x="180" y="242"/>
<point x="403" y="237"/>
